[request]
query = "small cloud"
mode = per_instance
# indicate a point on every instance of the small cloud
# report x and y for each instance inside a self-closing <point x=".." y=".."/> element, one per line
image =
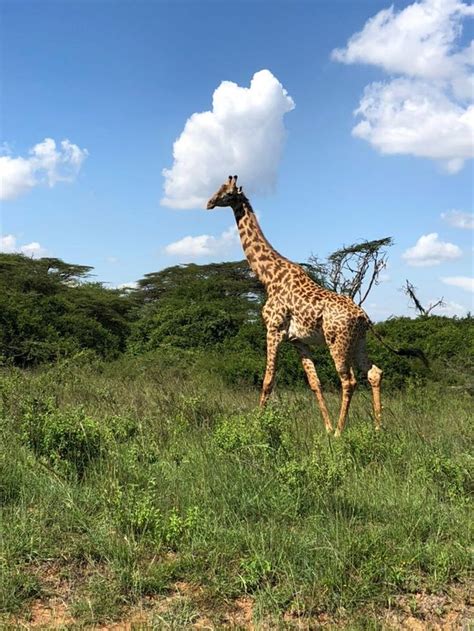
<point x="133" y="284"/>
<point x="429" y="250"/>
<point x="464" y="282"/>
<point x="204" y="245"/>
<point x="450" y="309"/>
<point x="8" y="245"/>
<point x="459" y="219"/>
<point x="244" y="134"/>
<point x="47" y="163"/>
<point x="112" y="260"/>
<point x="378" y="312"/>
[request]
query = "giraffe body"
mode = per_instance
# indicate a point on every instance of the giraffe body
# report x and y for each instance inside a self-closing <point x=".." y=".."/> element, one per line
<point x="301" y="311"/>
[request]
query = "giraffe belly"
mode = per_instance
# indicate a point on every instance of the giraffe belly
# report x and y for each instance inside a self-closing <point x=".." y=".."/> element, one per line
<point x="309" y="334"/>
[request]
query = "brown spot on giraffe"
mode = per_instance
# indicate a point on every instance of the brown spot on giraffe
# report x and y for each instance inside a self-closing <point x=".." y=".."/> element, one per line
<point x="303" y="312"/>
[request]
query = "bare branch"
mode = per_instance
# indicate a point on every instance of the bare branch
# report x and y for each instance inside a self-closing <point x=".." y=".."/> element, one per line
<point x="438" y="303"/>
<point x="410" y="290"/>
<point x="353" y="270"/>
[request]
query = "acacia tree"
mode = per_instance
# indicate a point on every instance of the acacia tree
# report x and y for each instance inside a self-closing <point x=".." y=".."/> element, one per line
<point x="50" y="309"/>
<point x="352" y="270"/>
<point x="193" y="306"/>
<point x="410" y="290"/>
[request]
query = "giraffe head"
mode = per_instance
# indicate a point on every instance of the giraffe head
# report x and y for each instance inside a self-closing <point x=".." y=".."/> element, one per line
<point x="228" y="194"/>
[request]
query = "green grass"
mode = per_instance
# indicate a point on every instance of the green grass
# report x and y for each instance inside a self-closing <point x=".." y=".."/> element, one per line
<point x="119" y="481"/>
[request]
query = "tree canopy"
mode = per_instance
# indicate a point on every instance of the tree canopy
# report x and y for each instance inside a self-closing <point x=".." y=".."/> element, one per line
<point x="195" y="305"/>
<point x="49" y="308"/>
<point x="352" y="270"/>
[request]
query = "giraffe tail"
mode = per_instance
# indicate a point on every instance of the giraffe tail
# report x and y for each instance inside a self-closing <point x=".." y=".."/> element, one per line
<point x="404" y="352"/>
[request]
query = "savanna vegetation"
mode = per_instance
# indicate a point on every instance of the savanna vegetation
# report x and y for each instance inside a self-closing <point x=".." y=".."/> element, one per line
<point x="138" y="482"/>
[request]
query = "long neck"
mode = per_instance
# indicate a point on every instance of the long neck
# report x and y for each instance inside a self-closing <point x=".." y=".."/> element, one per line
<point x="262" y="258"/>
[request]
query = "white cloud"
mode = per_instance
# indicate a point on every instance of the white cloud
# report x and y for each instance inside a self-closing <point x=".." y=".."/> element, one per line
<point x="464" y="282"/>
<point x="429" y="250"/>
<point x="243" y="134"/>
<point x="204" y="245"/>
<point x="8" y="245"/>
<point x="427" y="111"/>
<point x="419" y="41"/>
<point x="46" y="163"/>
<point x="131" y="285"/>
<point x="450" y="309"/>
<point x="412" y="117"/>
<point x="459" y="219"/>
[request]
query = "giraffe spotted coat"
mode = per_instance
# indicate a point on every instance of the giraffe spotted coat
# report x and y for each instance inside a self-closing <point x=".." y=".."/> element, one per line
<point x="303" y="312"/>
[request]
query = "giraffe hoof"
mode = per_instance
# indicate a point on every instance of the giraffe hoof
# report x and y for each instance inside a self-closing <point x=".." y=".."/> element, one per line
<point x="337" y="433"/>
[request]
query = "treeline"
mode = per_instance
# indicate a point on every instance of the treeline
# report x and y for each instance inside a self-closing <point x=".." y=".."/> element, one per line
<point x="207" y="316"/>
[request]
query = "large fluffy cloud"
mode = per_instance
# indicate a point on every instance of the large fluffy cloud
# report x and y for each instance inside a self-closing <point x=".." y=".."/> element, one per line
<point x="427" y="110"/>
<point x="413" y="117"/>
<point x="243" y="134"/>
<point x="47" y="163"/>
<point x="429" y="250"/>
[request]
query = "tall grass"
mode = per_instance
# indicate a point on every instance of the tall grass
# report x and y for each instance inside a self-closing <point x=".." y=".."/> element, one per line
<point x="120" y="480"/>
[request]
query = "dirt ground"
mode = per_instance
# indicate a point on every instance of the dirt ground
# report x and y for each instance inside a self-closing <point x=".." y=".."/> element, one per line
<point x="453" y="611"/>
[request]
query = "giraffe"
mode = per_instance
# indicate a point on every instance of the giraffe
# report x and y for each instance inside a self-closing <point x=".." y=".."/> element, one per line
<point x="303" y="312"/>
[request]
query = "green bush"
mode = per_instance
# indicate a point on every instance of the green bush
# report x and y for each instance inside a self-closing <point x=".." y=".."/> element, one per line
<point x="453" y="476"/>
<point x="67" y="438"/>
<point x="255" y="572"/>
<point x="265" y="430"/>
<point x="320" y="473"/>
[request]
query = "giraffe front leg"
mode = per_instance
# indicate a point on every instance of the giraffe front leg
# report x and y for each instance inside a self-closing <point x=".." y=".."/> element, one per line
<point x="274" y="339"/>
<point x="314" y="383"/>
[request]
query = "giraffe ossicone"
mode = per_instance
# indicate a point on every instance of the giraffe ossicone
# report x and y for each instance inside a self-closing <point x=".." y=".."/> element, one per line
<point x="301" y="311"/>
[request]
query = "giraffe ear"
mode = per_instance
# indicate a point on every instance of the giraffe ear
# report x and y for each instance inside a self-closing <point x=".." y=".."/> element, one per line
<point x="240" y="190"/>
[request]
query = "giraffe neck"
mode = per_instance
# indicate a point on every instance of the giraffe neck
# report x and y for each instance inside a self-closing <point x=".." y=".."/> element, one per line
<point x="262" y="258"/>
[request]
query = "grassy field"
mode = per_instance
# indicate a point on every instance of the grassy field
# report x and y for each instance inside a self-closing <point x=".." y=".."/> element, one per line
<point x="132" y="492"/>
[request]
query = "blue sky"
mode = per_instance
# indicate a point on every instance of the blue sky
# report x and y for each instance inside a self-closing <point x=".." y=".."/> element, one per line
<point x="119" y="80"/>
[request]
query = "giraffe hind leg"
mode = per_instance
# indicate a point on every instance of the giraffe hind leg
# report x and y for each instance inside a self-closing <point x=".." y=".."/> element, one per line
<point x="374" y="377"/>
<point x="348" y="384"/>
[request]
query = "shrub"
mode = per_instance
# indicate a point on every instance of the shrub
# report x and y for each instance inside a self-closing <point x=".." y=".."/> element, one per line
<point x="262" y="429"/>
<point x="452" y="475"/>
<point x="255" y="571"/>
<point x="137" y="510"/>
<point x="320" y="473"/>
<point x="68" y="439"/>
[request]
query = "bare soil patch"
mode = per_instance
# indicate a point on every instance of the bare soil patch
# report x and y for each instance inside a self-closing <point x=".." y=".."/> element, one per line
<point x="188" y="606"/>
